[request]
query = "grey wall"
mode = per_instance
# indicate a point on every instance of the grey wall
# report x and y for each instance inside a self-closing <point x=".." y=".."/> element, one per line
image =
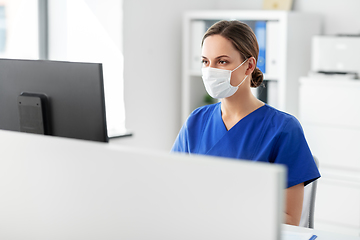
<point x="152" y="53"/>
<point x="340" y="17"/>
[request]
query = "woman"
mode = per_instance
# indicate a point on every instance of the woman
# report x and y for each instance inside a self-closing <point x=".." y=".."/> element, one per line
<point x="241" y="126"/>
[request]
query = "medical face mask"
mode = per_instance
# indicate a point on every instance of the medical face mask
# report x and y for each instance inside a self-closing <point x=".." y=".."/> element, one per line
<point x="217" y="81"/>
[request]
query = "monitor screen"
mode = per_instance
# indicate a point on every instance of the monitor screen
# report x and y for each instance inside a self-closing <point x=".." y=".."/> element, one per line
<point x="64" y="99"/>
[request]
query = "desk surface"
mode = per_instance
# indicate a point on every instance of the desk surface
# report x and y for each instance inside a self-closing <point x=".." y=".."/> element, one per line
<point x="321" y="235"/>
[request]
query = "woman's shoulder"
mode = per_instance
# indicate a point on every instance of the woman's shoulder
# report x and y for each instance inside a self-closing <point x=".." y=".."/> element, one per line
<point x="206" y="108"/>
<point x="200" y="116"/>
<point x="204" y="111"/>
<point x="282" y="119"/>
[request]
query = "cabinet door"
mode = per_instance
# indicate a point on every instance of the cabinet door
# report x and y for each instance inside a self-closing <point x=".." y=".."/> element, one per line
<point x="330" y="102"/>
<point x="334" y="146"/>
<point x="338" y="206"/>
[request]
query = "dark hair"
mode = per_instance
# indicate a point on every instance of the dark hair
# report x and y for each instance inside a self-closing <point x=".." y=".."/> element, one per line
<point x="244" y="40"/>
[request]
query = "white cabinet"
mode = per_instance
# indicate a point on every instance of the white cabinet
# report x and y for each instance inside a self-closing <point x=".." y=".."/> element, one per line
<point x="330" y="116"/>
<point x="288" y="53"/>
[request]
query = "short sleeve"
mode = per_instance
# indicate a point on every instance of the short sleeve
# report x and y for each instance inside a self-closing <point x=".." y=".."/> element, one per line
<point x="190" y="133"/>
<point x="293" y="151"/>
<point x="181" y="142"/>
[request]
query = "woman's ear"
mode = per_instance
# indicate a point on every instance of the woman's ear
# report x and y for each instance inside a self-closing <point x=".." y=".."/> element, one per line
<point x="251" y="65"/>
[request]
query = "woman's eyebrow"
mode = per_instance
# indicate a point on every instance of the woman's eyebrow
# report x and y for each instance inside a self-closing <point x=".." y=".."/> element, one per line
<point x="221" y="56"/>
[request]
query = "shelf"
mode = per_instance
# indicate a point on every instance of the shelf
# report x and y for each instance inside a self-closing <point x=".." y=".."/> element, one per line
<point x="289" y="43"/>
<point x="264" y="15"/>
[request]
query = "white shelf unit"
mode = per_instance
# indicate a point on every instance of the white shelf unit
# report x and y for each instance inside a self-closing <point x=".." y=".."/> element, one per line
<point x="330" y="116"/>
<point x="291" y="45"/>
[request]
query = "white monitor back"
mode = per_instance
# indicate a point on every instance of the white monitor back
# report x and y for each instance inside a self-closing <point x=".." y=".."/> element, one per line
<point x="55" y="188"/>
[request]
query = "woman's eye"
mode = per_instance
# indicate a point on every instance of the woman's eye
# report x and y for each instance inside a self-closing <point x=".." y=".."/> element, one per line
<point x="222" y="62"/>
<point x="204" y="62"/>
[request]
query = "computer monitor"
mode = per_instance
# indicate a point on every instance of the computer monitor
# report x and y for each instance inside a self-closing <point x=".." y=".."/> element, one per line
<point x="102" y="191"/>
<point x="64" y="99"/>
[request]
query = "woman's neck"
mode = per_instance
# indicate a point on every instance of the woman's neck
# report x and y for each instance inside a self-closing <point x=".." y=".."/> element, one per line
<point x="236" y="107"/>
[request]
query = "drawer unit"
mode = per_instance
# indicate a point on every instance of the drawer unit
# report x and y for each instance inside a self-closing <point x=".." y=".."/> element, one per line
<point x="330" y="116"/>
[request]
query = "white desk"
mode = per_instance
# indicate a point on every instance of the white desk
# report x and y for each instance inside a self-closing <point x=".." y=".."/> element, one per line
<point x="321" y="235"/>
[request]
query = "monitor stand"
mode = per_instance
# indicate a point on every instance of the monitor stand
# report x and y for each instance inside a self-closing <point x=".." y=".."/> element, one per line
<point x="33" y="113"/>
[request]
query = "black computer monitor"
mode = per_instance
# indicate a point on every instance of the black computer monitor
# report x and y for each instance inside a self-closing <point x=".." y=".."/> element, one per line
<point x="64" y="99"/>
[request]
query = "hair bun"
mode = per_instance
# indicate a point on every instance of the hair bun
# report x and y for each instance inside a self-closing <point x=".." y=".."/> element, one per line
<point x="257" y="78"/>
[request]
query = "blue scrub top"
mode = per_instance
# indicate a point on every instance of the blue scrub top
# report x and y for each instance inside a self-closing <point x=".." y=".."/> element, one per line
<point x="266" y="135"/>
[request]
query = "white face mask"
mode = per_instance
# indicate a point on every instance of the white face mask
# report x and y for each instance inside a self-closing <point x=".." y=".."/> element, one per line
<point x="217" y="81"/>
